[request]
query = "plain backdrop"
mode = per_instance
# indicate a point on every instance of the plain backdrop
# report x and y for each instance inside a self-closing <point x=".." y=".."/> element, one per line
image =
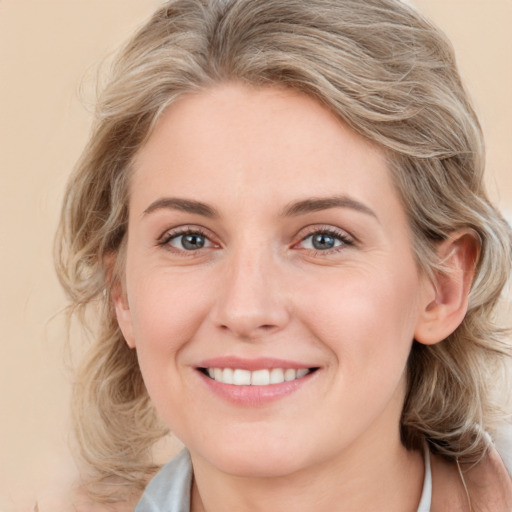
<point x="49" y="50"/>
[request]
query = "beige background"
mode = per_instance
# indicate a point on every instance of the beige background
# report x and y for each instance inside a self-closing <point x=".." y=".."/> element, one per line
<point x="47" y="49"/>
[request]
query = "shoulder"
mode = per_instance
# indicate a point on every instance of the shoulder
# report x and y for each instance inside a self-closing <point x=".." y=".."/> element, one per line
<point x="170" y="487"/>
<point x="503" y="444"/>
<point x="488" y="484"/>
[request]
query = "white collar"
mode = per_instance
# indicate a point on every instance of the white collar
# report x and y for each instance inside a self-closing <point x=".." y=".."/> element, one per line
<point x="426" y="495"/>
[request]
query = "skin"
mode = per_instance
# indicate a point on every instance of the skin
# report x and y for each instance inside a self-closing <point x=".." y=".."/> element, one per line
<point x="259" y="288"/>
<point x="488" y="487"/>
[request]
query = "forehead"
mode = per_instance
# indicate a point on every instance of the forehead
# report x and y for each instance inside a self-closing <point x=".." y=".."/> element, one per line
<point x="229" y="141"/>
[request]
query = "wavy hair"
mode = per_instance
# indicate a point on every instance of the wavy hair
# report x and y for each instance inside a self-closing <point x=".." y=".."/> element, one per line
<point x="390" y="75"/>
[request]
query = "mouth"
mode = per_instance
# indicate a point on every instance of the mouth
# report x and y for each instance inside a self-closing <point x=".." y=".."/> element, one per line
<point x="255" y="382"/>
<point x="261" y="377"/>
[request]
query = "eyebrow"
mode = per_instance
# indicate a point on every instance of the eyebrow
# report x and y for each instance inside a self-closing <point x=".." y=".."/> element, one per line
<point x="325" y="203"/>
<point x="184" y="205"/>
<point x="291" y="210"/>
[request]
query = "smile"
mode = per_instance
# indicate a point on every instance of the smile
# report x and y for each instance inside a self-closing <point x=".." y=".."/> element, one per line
<point x="242" y="377"/>
<point x="255" y="382"/>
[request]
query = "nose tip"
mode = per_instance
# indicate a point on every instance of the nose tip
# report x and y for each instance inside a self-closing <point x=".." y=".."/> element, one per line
<point x="248" y="327"/>
<point x="251" y="302"/>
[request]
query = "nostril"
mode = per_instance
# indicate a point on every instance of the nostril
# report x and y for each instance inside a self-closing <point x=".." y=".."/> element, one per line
<point x="263" y="327"/>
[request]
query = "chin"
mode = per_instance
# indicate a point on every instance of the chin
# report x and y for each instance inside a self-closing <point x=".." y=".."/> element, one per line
<point x="260" y="460"/>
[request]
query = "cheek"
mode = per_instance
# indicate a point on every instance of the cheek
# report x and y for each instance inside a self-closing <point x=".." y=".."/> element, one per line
<point x="165" y="315"/>
<point x="367" y="318"/>
<point x="166" y="311"/>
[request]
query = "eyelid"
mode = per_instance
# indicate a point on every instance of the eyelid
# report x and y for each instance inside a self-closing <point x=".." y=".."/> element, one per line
<point x="188" y="229"/>
<point x="340" y="234"/>
<point x="346" y="238"/>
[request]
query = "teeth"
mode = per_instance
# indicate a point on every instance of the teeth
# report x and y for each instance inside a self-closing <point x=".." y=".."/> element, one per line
<point x="240" y="377"/>
<point x="290" y="374"/>
<point x="260" y="378"/>
<point x="276" y="376"/>
<point x="227" y="376"/>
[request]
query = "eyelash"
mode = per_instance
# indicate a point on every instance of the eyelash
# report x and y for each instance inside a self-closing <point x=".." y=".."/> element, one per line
<point x="341" y="236"/>
<point x="168" y="236"/>
<point x="338" y="235"/>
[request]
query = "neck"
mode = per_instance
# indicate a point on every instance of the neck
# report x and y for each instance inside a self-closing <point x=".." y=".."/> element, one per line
<point x="383" y="477"/>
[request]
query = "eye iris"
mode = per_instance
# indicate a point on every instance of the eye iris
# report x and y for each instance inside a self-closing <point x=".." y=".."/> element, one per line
<point x="322" y="241"/>
<point x="192" y="242"/>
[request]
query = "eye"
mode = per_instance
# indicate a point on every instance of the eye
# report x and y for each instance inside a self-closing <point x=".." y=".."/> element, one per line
<point x="190" y="242"/>
<point x="186" y="240"/>
<point x="323" y="240"/>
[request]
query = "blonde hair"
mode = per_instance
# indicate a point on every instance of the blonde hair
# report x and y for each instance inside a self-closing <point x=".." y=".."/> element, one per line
<point x="391" y="76"/>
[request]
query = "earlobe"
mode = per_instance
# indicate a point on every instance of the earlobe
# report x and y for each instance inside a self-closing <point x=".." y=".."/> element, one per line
<point x="447" y="298"/>
<point x="119" y="299"/>
<point x="123" y="314"/>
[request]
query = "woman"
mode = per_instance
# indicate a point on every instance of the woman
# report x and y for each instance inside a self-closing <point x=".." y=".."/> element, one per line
<point x="281" y="219"/>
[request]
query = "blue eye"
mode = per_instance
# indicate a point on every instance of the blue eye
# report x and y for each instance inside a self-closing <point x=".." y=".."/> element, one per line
<point x="324" y="240"/>
<point x="190" y="241"/>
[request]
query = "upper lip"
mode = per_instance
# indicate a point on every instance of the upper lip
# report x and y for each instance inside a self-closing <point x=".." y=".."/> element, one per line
<point x="260" y="363"/>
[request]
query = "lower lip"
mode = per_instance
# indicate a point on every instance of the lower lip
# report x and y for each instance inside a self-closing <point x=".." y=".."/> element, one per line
<point x="254" y="396"/>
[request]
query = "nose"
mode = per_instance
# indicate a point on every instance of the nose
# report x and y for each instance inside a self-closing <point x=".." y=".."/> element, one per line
<point x="251" y="300"/>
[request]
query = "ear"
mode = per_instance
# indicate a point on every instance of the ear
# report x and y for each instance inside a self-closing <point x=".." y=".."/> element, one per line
<point x="123" y="313"/>
<point x="447" y="296"/>
<point x="119" y="298"/>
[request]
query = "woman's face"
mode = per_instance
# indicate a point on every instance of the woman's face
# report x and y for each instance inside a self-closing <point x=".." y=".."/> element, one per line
<point x="267" y="244"/>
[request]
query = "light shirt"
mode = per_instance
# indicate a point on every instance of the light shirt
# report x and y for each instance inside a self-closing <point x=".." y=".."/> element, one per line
<point x="426" y="495"/>
<point x="169" y="490"/>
